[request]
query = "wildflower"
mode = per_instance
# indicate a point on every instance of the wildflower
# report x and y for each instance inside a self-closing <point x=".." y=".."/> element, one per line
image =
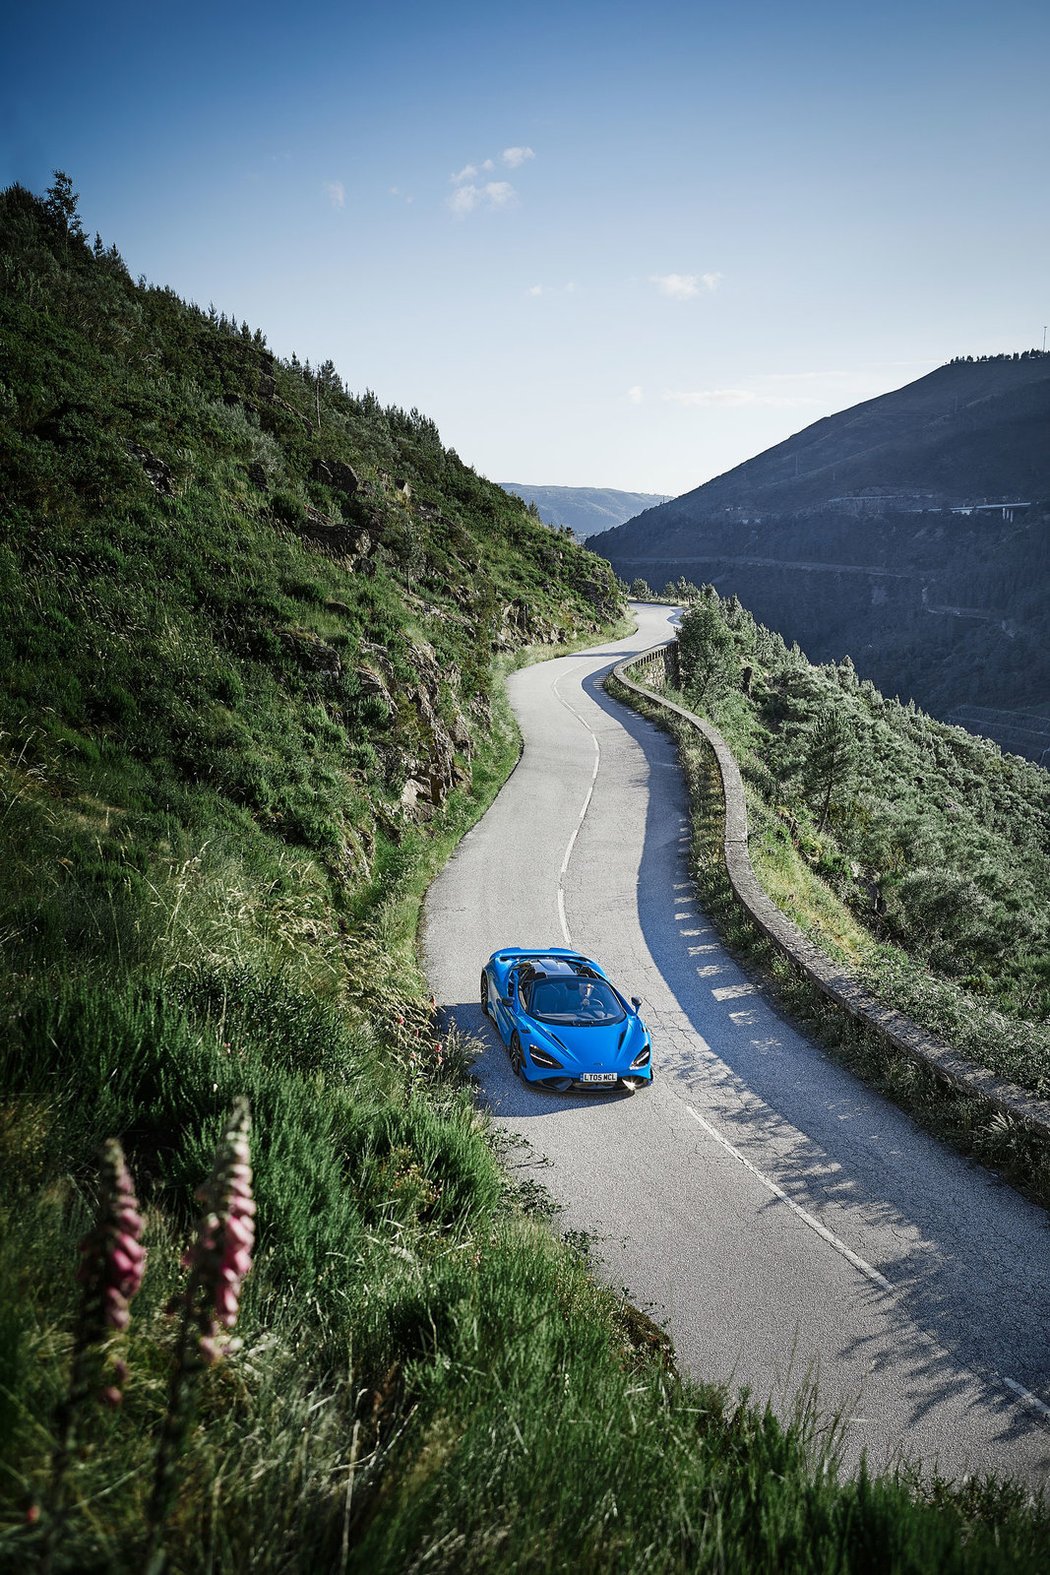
<point x="112" y="1258"/>
<point x="112" y="1263"/>
<point x="221" y="1256"/>
<point x="216" y="1264"/>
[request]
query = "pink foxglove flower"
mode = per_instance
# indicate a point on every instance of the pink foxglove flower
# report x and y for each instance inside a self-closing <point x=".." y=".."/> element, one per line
<point x="217" y="1263"/>
<point x="112" y="1258"/>
<point x="221" y="1255"/>
<point x="112" y="1262"/>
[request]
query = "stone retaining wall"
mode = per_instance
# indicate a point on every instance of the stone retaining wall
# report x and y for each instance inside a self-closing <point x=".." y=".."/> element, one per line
<point x="660" y="663"/>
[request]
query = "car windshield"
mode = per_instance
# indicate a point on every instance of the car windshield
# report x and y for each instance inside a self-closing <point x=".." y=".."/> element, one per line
<point x="577" y="1002"/>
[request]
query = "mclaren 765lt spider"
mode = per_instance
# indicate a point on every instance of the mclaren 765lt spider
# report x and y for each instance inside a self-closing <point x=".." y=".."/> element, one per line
<point x="563" y="1022"/>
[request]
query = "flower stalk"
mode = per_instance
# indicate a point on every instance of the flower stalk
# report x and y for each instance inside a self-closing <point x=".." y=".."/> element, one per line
<point x="112" y="1263"/>
<point x="207" y="1307"/>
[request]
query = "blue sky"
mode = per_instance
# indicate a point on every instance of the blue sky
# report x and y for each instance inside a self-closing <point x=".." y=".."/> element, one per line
<point x="599" y="244"/>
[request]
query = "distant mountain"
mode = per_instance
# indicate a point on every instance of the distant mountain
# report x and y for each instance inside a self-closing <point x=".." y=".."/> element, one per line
<point x="909" y="532"/>
<point x="586" y="510"/>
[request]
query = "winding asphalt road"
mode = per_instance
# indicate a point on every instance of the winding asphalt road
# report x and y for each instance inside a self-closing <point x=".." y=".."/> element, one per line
<point x="787" y="1226"/>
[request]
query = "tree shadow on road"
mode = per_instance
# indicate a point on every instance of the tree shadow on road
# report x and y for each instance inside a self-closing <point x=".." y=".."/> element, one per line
<point x="975" y="1280"/>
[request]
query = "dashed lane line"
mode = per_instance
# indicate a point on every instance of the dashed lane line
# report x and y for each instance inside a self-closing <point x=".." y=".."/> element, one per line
<point x="583" y="813"/>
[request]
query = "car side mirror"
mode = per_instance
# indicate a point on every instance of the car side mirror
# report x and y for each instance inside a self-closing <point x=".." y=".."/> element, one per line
<point x="505" y="1001"/>
<point x="636" y="1002"/>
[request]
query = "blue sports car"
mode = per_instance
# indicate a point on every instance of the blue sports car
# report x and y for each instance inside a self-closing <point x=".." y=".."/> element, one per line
<point x="563" y="1023"/>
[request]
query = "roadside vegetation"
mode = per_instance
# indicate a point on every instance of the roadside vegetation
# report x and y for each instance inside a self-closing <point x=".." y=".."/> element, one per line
<point x="252" y="628"/>
<point x="912" y="852"/>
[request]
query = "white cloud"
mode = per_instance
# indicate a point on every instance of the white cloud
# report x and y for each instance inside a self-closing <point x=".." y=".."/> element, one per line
<point x="486" y="167"/>
<point x="464" y="200"/>
<point x="534" y="289"/>
<point x="684" y="286"/>
<point x="494" y="194"/>
<point x="635" y="394"/>
<point x="473" y="191"/>
<point x="336" y="193"/>
<point x="735" y="399"/>
<point x="395" y="191"/>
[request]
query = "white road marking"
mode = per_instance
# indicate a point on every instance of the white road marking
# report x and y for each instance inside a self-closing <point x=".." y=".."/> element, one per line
<point x="814" y="1224"/>
<point x="1025" y="1396"/>
<point x="583" y="814"/>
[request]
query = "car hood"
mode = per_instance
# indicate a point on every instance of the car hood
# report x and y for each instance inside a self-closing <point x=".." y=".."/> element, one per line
<point x="612" y="1043"/>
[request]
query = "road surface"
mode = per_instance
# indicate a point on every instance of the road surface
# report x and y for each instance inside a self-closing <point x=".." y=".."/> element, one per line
<point x="788" y="1226"/>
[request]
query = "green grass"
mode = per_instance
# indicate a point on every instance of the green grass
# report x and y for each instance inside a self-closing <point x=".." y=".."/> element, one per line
<point x="426" y="1373"/>
<point x="224" y="668"/>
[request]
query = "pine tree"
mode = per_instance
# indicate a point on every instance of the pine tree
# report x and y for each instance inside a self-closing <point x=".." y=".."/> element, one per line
<point x="61" y="203"/>
<point x="707" y="653"/>
<point x="832" y="756"/>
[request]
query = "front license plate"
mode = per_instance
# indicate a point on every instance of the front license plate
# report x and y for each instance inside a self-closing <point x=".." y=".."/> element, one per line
<point x="598" y="1077"/>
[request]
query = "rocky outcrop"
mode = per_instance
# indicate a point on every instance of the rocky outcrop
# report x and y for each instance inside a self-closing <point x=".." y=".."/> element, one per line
<point x="338" y="475"/>
<point x="312" y="653"/>
<point x="434" y="763"/>
<point x="159" y="473"/>
<point x="520" y="624"/>
<point x="351" y="542"/>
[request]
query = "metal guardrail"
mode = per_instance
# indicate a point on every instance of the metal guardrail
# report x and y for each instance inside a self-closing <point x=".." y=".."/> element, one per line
<point x="894" y="1027"/>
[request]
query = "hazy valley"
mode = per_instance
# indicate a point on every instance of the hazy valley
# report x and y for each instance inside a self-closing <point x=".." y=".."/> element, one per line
<point x="586" y="511"/>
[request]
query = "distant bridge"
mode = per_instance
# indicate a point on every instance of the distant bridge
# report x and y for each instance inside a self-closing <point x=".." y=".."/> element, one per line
<point x="1005" y="509"/>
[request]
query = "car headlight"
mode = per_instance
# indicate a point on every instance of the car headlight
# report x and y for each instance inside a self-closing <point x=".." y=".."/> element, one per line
<point x="541" y="1058"/>
<point x="642" y="1058"/>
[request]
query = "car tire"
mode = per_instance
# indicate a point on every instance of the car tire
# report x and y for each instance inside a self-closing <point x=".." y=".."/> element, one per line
<point x="485" y="1008"/>
<point x="517" y="1057"/>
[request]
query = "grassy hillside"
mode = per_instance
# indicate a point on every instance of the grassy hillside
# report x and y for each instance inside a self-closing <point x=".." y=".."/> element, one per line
<point x="916" y="853"/>
<point x="251" y="628"/>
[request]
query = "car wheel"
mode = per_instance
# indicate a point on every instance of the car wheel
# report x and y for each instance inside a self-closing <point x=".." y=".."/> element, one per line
<point x="517" y="1057"/>
<point x="485" y="1009"/>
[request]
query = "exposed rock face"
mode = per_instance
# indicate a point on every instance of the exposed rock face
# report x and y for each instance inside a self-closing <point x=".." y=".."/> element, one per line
<point x="335" y="473"/>
<point x="375" y="679"/>
<point x="431" y="771"/>
<point x="159" y="473"/>
<point x="312" y="653"/>
<point x="350" y="541"/>
<point x="520" y="625"/>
